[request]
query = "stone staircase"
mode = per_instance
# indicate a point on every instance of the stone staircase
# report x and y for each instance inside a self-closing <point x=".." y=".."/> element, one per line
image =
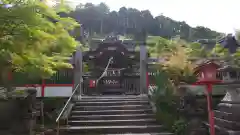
<point x="113" y="115"/>
<point x="227" y="119"/>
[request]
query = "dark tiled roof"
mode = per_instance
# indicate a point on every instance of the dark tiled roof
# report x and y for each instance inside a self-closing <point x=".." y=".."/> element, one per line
<point x="229" y="42"/>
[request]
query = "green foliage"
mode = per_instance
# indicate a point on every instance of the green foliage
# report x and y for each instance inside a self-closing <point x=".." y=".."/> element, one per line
<point x="85" y="68"/>
<point x="180" y="127"/>
<point x="61" y="7"/>
<point x="98" y="19"/>
<point x="52" y="108"/>
<point x="196" y="50"/>
<point x="188" y="76"/>
<point x="202" y="32"/>
<point x="178" y="75"/>
<point x="31" y="42"/>
<point x="158" y="46"/>
<point x="165" y="102"/>
<point x="219" y="51"/>
<point x="178" y="52"/>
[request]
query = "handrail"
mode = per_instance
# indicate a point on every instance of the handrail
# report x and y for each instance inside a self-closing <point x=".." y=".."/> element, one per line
<point x="65" y="106"/>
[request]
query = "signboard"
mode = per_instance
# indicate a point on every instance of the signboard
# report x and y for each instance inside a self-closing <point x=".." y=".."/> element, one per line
<point x="112" y="48"/>
<point x="111" y="82"/>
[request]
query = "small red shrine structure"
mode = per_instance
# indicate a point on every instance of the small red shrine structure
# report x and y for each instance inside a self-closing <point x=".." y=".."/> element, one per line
<point x="207" y="75"/>
<point x="207" y="72"/>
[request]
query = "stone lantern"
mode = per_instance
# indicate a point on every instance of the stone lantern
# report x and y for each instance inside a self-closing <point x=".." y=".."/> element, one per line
<point x="227" y="117"/>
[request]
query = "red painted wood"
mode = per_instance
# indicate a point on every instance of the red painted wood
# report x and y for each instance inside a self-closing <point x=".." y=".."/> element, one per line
<point x="43" y="88"/>
<point x="209" y="84"/>
<point x="92" y="83"/>
<point x="210" y="109"/>
<point x="46" y="85"/>
<point x="58" y="85"/>
<point x="31" y="85"/>
<point x="10" y="76"/>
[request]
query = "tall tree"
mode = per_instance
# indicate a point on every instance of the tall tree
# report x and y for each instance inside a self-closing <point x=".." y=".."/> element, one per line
<point x="98" y="18"/>
<point x="33" y="39"/>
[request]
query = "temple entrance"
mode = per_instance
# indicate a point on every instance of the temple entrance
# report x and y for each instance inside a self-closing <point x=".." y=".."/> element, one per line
<point x="111" y="66"/>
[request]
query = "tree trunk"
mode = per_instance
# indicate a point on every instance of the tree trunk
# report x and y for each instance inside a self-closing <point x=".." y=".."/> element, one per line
<point x="6" y="82"/>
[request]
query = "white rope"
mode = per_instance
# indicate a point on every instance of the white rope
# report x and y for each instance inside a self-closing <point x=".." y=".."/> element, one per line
<point x="105" y="70"/>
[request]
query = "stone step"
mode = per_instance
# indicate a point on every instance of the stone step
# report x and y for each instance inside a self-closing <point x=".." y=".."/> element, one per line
<point x="112" y="117"/>
<point x="222" y="131"/>
<point x="109" y="112"/>
<point x="144" y="134"/>
<point x="117" y="107"/>
<point x="109" y="115"/>
<point x="163" y="133"/>
<point x="136" y="122"/>
<point x="113" y="129"/>
<point x="113" y="99"/>
<point x="225" y="115"/>
<point x="230" y="125"/>
<point x="229" y="108"/>
<point x="112" y="103"/>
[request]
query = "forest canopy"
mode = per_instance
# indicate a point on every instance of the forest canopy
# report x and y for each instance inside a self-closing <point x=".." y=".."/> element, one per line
<point x="99" y="19"/>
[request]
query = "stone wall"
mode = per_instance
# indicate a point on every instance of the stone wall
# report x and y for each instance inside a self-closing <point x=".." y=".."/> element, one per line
<point x="17" y="112"/>
<point x="227" y="114"/>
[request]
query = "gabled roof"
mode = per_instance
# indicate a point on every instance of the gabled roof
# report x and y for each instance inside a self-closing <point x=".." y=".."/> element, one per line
<point x="204" y="63"/>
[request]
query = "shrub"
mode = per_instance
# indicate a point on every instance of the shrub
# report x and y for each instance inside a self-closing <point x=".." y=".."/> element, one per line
<point x="167" y="105"/>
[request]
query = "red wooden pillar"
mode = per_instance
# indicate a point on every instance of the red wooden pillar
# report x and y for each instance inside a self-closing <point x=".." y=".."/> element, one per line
<point x="10" y="76"/>
<point x="43" y="88"/>
<point x="210" y="109"/>
<point x="73" y="78"/>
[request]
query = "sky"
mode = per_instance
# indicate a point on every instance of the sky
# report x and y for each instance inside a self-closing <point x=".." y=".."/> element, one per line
<point x="219" y="15"/>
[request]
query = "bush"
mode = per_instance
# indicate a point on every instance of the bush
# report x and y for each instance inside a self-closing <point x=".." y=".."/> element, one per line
<point x="167" y="105"/>
<point x="179" y="127"/>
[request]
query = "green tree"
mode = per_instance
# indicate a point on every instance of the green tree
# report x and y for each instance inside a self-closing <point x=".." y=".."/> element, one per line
<point x="196" y="50"/>
<point x="160" y="47"/>
<point x="98" y="19"/>
<point x="33" y="39"/>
